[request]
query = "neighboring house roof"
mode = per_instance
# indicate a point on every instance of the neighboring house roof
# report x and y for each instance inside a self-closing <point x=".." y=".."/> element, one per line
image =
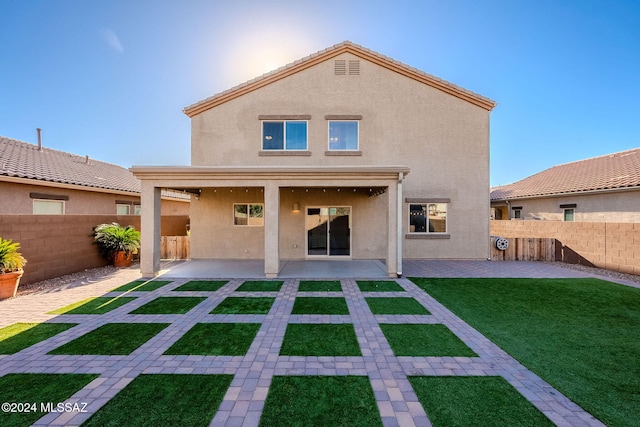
<point x="23" y="160"/>
<point x="612" y="172"/>
<point x="331" y="52"/>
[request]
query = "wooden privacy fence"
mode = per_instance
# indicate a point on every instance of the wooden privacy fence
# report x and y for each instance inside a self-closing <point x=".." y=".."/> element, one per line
<point x="175" y="247"/>
<point x="525" y="249"/>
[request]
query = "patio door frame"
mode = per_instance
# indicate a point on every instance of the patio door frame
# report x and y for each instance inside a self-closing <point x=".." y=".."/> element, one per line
<point x="328" y="252"/>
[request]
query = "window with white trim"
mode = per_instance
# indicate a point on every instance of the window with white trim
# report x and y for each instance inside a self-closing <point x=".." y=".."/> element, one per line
<point x="569" y="214"/>
<point x="248" y="214"/>
<point x="429" y="218"/>
<point x="343" y="135"/>
<point x="48" y="207"/>
<point x="123" y="209"/>
<point x="284" y="135"/>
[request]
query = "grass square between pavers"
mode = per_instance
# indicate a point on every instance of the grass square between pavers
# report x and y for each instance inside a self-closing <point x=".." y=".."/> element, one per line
<point x="202" y="285"/>
<point x="98" y="305"/>
<point x="424" y="340"/>
<point x="38" y="391"/>
<point x="379" y="286"/>
<point x="216" y="339"/>
<point x="475" y="401"/>
<point x="142" y="286"/>
<point x="169" y="305"/>
<point x="303" y="339"/>
<point x="17" y="337"/>
<point x="320" y="401"/>
<point x="164" y="400"/>
<point x="320" y="286"/>
<point x="398" y="305"/>
<point x="261" y="286"/>
<point x="320" y="305"/>
<point x="112" y="339"/>
<point x="244" y="305"/>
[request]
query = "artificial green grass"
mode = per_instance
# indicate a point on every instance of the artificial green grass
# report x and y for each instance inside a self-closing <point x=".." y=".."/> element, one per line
<point x="164" y="400"/>
<point x="216" y="339"/>
<point x="475" y="401"/>
<point x="37" y="389"/>
<point x="424" y="340"/>
<point x="17" y="337"/>
<point x="320" y="305"/>
<point x="303" y="339"/>
<point x="202" y="285"/>
<point x="169" y="305"/>
<point x="142" y="286"/>
<point x="244" y="305"/>
<point x="320" y="286"/>
<point x="260" y="286"/>
<point x="379" y="286"/>
<point x="96" y="305"/>
<point x="320" y="401"/>
<point x="112" y="339"/>
<point x="579" y="335"/>
<point x="385" y="305"/>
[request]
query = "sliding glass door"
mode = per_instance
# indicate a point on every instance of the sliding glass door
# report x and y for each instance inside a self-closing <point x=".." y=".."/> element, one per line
<point x="328" y="231"/>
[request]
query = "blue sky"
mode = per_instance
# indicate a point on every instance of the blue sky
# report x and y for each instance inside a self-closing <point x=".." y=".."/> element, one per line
<point x="110" y="78"/>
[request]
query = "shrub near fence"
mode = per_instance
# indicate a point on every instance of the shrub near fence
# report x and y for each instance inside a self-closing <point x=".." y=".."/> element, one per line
<point x="614" y="246"/>
<point x="55" y="245"/>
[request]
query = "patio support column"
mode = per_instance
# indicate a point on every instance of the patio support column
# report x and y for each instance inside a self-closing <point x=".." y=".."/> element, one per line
<point x="271" y="229"/>
<point x="150" y="229"/>
<point x="392" y="230"/>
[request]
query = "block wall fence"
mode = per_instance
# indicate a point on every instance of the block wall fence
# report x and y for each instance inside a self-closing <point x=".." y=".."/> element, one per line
<point x="55" y="245"/>
<point x="613" y="246"/>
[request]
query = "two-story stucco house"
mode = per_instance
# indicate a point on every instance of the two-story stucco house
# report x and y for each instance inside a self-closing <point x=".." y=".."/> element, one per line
<point x="344" y="154"/>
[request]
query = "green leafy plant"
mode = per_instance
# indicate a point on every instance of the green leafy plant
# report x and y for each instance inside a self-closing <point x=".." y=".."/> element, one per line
<point x="112" y="238"/>
<point x="10" y="258"/>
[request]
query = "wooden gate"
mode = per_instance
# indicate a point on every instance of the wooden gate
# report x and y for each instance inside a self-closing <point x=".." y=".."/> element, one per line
<point x="525" y="249"/>
<point x="175" y="247"/>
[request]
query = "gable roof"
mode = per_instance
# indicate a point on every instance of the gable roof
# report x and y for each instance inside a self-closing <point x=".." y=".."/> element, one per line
<point x="612" y="172"/>
<point x="331" y="52"/>
<point x="23" y="160"/>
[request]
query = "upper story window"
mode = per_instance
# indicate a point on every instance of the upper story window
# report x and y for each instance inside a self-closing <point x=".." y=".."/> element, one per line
<point x="284" y="135"/>
<point x="343" y="135"/>
<point x="569" y="214"/>
<point x="48" y="207"/>
<point x="123" y="209"/>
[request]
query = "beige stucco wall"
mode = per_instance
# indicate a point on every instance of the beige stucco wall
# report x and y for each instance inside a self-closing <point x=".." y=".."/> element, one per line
<point x="16" y="200"/>
<point x="622" y="206"/>
<point x="443" y="140"/>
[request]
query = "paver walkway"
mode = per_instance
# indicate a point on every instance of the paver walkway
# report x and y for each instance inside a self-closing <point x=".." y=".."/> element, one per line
<point x="253" y="372"/>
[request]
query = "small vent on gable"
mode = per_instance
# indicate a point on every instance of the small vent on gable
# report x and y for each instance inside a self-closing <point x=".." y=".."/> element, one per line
<point x="340" y="67"/>
<point x="354" y="68"/>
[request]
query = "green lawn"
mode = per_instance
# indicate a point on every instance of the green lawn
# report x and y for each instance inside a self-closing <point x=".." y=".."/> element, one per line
<point x="96" y="305"/>
<point x="260" y="286"/>
<point x="164" y="400"/>
<point x="320" y="286"/>
<point x="379" y="286"/>
<point x="320" y="305"/>
<point x="142" y="286"/>
<point x="35" y="389"/>
<point x="320" y="401"/>
<point x="424" y="340"/>
<point x="244" y="305"/>
<point x="169" y="305"/>
<point x="202" y="285"/>
<point x="216" y="339"/>
<point x="385" y="305"/>
<point x="475" y="401"/>
<point x="17" y="337"/>
<point x="303" y="339"/>
<point x="580" y="335"/>
<point x="112" y="339"/>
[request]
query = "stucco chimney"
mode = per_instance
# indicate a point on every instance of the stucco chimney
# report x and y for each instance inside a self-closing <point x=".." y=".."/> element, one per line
<point x="39" y="139"/>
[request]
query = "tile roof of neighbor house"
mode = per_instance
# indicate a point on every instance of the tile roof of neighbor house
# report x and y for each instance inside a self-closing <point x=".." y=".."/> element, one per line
<point x="326" y="54"/>
<point x="23" y="160"/>
<point x="611" y="172"/>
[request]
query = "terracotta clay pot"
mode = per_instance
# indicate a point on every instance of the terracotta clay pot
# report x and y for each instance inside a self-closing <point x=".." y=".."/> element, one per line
<point x="9" y="284"/>
<point x="122" y="259"/>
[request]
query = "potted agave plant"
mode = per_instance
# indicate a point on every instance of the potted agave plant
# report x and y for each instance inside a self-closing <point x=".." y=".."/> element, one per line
<point x="117" y="243"/>
<point x="11" y="263"/>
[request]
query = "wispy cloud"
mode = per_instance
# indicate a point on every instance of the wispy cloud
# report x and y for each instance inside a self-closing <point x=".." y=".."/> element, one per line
<point x="112" y="40"/>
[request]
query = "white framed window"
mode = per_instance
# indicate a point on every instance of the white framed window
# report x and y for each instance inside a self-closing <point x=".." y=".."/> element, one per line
<point x="284" y="135"/>
<point x="569" y="214"/>
<point x="248" y="214"/>
<point x="428" y="218"/>
<point x="517" y="214"/>
<point x="343" y="135"/>
<point x="137" y="210"/>
<point x="48" y="207"/>
<point x="123" y="209"/>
